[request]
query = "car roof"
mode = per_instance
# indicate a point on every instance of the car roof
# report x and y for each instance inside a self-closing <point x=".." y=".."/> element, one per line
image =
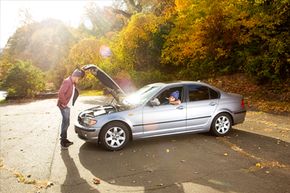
<point x="178" y="83"/>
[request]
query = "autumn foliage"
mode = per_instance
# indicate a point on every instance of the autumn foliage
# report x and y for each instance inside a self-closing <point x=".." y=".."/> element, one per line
<point x="159" y="40"/>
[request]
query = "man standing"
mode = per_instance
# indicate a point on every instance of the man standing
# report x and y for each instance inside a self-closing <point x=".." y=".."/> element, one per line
<point x="67" y="96"/>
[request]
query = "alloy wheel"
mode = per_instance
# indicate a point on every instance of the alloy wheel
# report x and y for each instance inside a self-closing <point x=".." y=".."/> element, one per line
<point x="115" y="137"/>
<point x="222" y="124"/>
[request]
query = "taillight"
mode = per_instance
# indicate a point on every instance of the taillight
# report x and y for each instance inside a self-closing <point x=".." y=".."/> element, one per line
<point x="243" y="103"/>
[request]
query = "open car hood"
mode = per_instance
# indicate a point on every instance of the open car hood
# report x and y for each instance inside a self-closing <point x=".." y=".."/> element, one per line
<point x="114" y="89"/>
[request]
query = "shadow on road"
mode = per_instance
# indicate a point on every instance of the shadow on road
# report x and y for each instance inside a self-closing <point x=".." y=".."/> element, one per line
<point x="195" y="163"/>
<point x="73" y="181"/>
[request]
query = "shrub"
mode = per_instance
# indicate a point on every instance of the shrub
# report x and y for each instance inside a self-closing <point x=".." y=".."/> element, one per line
<point x="23" y="80"/>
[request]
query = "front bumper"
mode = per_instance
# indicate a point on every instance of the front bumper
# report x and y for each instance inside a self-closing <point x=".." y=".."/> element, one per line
<point x="87" y="134"/>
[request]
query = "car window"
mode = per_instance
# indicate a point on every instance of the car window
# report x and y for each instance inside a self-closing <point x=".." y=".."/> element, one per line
<point x="198" y="92"/>
<point x="163" y="96"/>
<point x="213" y="94"/>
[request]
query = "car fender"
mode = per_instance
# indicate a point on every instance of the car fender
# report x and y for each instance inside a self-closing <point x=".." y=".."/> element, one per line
<point x="224" y="110"/>
<point x="113" y="118"/>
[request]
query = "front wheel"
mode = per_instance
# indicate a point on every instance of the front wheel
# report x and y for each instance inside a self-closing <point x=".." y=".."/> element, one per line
<point x="221" y="124"/>
<point x="114" y="136"/>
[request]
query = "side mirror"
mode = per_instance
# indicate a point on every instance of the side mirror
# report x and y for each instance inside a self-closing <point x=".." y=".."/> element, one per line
<point x="154" y="102"/>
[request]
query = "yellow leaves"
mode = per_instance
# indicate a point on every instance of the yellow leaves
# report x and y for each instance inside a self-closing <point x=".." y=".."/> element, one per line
<point x="140" y="28"/>
<point x="21" y="178"/>
<point x="259" y="1"/>
<point x="267" y="164"/>
<point x="258" y="165"/>
<point x="220" y="53"/>
<point x="250" y="23"/>
<point x="85" y="52"/>
<point x="244" y="39"/>
<point x="182" y="4"/>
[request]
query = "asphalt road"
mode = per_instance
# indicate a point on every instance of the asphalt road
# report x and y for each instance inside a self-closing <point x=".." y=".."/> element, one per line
<point x="254" y="158"/>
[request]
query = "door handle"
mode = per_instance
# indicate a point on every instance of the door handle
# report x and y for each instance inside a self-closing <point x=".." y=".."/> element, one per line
<point x="212" y="104"/>
<point x="180" y="107"/>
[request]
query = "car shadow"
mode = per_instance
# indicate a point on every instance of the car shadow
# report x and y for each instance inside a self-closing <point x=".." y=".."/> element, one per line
<point x="194" y="162"/>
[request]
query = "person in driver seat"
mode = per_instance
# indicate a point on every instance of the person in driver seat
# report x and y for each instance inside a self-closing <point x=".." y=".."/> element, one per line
<point x="174" y="98"/>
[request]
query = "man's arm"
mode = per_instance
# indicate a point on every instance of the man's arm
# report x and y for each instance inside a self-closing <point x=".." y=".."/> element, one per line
<point x="177" y="102"/>
<point x="61" y="93"/>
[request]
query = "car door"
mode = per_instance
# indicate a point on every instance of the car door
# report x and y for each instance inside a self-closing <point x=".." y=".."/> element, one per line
<point x="165" y="118"/>
<point x="202" y="102"/>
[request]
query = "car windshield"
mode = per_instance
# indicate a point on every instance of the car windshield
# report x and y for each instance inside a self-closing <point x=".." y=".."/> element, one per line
<point x="141" y="95"/>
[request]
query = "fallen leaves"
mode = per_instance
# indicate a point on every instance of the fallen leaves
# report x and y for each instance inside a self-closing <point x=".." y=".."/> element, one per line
<point x="21" y="178"/>
<point x="267" y="164"/>
<point x="26" y="179"/>
<point x="267" y="98"/>
<point x="260" y="164"/>
<point x="96" y="181"/>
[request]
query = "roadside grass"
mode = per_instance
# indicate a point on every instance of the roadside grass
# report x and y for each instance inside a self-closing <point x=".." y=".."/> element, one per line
<point x="91" y="92"/>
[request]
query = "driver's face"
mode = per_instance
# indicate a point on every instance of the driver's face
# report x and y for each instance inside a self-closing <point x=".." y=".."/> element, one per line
<point x="171" y="99"/>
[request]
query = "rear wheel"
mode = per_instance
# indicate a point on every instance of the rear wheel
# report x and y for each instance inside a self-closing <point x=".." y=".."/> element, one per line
<point x="114" y="136"/>
<point x="221" y="124"/>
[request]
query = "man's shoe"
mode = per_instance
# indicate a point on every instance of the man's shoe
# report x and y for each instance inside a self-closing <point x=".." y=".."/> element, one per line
<point x="68" y="142"/>
<point x="63" y="145"/>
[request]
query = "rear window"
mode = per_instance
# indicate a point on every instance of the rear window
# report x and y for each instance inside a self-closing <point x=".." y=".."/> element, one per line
<point x="213" y="94"/>
<point x="200" y="92"/>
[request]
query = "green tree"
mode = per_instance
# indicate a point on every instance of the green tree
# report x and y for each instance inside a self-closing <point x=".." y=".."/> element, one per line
<point x="23" y="80"/>
<point x="137" y="48"/>
<point x="218" y="37"/>
<point x="267" y="50"/>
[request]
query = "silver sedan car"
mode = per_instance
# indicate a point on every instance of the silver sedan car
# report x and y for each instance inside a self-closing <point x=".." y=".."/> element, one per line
<point x="147" y="112"/>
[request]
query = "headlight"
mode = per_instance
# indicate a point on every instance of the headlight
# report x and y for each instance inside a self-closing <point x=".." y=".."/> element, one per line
<point x="89" y="121"/>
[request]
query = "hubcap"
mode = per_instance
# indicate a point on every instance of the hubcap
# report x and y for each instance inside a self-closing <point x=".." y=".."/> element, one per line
<point x="222" y="124"/>
<point x="115" y="137"/>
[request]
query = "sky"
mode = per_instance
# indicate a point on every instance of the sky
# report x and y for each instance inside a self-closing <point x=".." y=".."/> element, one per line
<point x="68" y="11"/>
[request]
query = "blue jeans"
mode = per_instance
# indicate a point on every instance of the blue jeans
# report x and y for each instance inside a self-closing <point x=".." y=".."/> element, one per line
<point x="65" y="122"/>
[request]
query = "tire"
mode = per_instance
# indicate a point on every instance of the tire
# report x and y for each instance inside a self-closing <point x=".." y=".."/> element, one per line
<point x="114" y="136"/>
<point x="221" y="124"/>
